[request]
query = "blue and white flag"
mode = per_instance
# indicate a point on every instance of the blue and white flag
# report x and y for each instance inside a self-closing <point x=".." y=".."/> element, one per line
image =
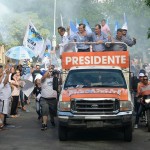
<point x="77" y="23"/>
<point x="46" y="49"/>
<point x="116" y="26"/>
<point x="73" y="28"/>
<point x="88" y="28"/>
<point x="125" y="25"/>
<point x="33" y="39"/>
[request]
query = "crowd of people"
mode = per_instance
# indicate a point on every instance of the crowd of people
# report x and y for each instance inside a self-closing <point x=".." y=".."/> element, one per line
<point x="45" y="92"/>
<point x="100" y="39"/>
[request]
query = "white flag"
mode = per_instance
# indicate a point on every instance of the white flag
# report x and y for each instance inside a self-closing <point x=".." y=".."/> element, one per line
<point x="33" y="39"/>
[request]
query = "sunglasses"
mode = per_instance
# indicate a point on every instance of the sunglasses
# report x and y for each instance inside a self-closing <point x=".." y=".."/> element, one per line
<point x="145" y="79"/>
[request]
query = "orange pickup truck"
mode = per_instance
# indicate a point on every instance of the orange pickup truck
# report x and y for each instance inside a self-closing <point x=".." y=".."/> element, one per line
<point x="96" y="92"/>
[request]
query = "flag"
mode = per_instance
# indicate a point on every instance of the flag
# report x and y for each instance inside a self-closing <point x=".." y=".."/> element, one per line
<point x="125" y="25"/>
<point x="33" y="39"/>
<point x="88" y="29"/>
<point x="116" y="26"/>
<point x="46" y="49"/>
<point x="73" y="28"/>
<point x="77" y="23"/>
<point x="61" y="18"/>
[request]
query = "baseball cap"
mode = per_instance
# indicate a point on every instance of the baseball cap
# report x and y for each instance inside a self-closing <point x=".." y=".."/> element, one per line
<point x="141" y="75"/>
<point x="124" y="27"/>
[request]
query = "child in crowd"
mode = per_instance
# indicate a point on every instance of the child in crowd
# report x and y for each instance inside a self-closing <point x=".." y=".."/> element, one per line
<point x="37" y="93"/>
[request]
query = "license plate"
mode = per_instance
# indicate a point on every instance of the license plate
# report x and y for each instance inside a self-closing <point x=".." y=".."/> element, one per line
<point x="94" y="124"/>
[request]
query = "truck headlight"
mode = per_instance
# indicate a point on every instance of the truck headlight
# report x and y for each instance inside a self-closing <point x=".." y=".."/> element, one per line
<point x="64" y="106"/>
<point x="126" y="106"/>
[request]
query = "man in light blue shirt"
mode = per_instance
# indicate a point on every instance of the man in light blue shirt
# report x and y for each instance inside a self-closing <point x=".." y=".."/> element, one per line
<point x="81" y="38"/>
<point x="100" y="38"/>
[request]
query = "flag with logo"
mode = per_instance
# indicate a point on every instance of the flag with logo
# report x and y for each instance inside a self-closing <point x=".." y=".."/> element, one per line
<point x="46" y="49"/>
<point x="33" y="39"/>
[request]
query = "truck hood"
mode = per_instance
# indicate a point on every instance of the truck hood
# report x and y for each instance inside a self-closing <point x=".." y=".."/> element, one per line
<point x="119" y="93"/>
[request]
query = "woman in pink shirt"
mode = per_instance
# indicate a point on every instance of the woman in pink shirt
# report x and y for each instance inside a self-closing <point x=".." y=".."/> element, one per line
<point x="105" y="28"/>
<point x="15" y="84"/>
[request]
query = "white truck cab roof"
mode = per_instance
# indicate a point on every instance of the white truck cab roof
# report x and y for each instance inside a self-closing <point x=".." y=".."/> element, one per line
<point x="95" y="67"/>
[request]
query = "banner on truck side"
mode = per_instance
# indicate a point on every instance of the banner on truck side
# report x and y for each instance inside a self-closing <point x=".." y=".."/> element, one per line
<point x="119" y="58"/>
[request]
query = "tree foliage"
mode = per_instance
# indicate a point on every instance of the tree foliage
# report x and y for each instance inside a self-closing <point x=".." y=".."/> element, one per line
<point x="40" y="12"/>
<point x="148" y="4"/>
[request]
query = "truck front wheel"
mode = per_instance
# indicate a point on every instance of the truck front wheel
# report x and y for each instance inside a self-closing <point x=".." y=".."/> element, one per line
<point x="62" y="133"/>
<point x="128" y="133"/>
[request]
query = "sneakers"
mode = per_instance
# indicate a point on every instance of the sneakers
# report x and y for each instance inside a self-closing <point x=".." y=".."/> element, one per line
<point x="136" y="126"/>
<point x="44" y="127"/>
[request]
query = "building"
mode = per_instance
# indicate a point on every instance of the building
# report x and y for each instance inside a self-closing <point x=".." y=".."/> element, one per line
<point x="2" y="55"/>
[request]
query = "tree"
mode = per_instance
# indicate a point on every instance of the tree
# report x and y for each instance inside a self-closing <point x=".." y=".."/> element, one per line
<point x="148" y="4"/>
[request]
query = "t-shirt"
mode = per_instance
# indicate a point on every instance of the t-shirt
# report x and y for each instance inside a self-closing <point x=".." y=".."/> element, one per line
<point x="105" y="29"/>
<point x="5" y="91"/>
<point x="47" y="88"/>
<point x="16" y="89"/>
<point x="37" y="90"/>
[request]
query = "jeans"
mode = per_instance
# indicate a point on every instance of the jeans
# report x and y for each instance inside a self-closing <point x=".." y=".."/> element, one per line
<point x="140" y="110"/>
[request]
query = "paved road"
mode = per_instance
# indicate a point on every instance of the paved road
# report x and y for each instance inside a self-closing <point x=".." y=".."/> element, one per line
<point x="26" y="135"/>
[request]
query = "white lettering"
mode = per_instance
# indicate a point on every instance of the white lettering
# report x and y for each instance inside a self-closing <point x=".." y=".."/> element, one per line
<point x="123" y="59"/>
<point x="104" y="60"/>
<point x="75" y="60"/>
<point x="111" y="60"/>
<point x="81" y="60"/>
<point x="91" y="60"/>
<point x="117" y="59"/>
<point x="97" y="60"/>
<point x="87" y="60"/>
<point x="68" y="59"/>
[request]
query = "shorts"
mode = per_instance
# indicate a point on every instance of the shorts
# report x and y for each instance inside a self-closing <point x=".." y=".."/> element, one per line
<point x="5" y="106"/>
<point x="48" y="106"/>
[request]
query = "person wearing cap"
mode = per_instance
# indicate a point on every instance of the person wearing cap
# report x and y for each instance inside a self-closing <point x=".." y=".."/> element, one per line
<point x="144" y="91"/>
<point x="37" y="94"/>
<point x="127" y="37"/>
<point x="36" y="71"/>
<point x="141" y="75"/>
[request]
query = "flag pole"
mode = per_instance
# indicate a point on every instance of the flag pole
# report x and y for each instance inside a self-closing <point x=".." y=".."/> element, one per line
<point x="54" y="35"/>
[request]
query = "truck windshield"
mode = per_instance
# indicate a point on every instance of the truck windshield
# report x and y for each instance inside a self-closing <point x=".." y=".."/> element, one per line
<point x="95" y="78"/>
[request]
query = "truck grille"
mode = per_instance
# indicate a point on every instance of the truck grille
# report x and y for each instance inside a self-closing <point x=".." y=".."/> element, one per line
<point x="95" y="106"/>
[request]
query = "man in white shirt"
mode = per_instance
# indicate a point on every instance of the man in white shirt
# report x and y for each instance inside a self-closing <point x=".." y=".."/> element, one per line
<point x="48" y="100"/>
<point x="5" y="94"/>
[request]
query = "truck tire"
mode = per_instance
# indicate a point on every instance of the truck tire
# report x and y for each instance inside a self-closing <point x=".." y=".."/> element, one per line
<point x="128" y="133"/>
<point x="148" y="119"/>
<point x="62" y="133"/>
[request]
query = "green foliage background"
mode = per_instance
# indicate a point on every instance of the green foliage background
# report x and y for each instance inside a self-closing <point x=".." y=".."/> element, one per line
<point x="40" y="12"/>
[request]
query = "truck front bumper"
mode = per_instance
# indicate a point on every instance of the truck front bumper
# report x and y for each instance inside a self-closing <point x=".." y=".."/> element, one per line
<point x="95" y="121"/>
